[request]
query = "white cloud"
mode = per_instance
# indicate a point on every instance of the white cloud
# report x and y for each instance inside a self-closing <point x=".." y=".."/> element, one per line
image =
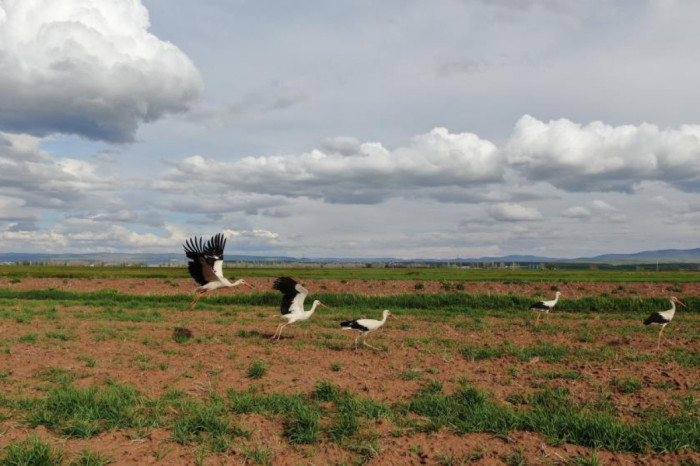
<point x="510" y="212"/>
<point x="128" y="216"/>
<point x="87" y="67"/>
<point x="15" y="216"/>
<point x="371" y="175"/>
<point x="207" y="202"/>
<point x="29" y="173"/>
<point x="577" y="212"/>
<point x="342" y="145"/>
<point x="603" y="206"/>
<point x="608" y="212"/>
<point x="600" y="157"/>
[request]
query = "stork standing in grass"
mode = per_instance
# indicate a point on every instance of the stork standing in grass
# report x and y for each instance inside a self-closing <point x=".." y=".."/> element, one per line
<point x="545" y="306"/>
<point x="293" y="296"/>
<point x="365" y="326"/>
<point x="663" y="318"/>
<point x="206" y="265"/>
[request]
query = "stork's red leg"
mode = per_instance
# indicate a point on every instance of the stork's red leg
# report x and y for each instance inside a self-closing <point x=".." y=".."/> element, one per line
<point x="367" y="344"/>
<point x="277" y="330"/>
<point x="196" y="300"/>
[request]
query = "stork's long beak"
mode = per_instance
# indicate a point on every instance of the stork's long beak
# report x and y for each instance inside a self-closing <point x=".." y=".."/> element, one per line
<point x="249" y="285"/>
<point x="680" y="302"/>
<point x="322" y="305"/>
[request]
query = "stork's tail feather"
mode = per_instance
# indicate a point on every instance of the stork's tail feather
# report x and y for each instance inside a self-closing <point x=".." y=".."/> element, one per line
<point x="656" y="319"/>
<point x="347" y="325"/>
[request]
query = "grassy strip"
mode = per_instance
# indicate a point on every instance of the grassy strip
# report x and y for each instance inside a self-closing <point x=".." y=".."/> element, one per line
<point x="435" y="301"/>
<point x="83" y="413"/>
<point x="329" y="413"/>
<point x="302" y="415"/>
<point x="556" y="354"/>
<point x="32" y="451"/>
<point x="36" y="452"/>
<point x="368" y="273"/>
<point x="553" y="414"/>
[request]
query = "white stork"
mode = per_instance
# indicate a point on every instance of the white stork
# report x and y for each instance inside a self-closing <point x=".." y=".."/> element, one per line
<point x="206" y="265"/>
<point x="663" y="318"/>
<point x="366" y="326"/>
<point x="545" y="306"/>
<point x="293" y="296"/>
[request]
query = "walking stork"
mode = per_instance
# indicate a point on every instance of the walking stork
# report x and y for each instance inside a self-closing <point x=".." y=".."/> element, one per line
<point x="663" y="318"/>
<point x="366" y="326"/>
<point x="206" y="265"/>
<point x="545" y="306"/>
<point x="293" y="296"/>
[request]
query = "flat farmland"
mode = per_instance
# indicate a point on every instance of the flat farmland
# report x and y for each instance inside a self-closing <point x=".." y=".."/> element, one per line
<point x="93" y="370"/>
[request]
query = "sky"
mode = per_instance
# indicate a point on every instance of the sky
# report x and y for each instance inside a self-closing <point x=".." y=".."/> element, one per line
<point x="353" y="128"/>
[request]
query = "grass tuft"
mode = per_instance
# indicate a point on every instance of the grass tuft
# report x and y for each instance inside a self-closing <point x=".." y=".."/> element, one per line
<point x="31" y="452"/>
<point x="257" y="370"/>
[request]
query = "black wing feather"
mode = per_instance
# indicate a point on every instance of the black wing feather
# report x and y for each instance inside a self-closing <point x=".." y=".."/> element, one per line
<point x="202" y="257"/>
<point x="216" y="245"/>
<point x="287" y="286"/>
<point x="656" y="318"/>
<point x="354" y="325"/>
<point x="195" y="269"/>
<point x="539" y="306"/>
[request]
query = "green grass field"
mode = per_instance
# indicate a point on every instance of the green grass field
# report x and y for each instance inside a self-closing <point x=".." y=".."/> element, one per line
<point x="459" y="378"/>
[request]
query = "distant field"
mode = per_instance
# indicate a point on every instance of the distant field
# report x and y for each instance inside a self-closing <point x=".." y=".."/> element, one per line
<point x="427" y="274"/>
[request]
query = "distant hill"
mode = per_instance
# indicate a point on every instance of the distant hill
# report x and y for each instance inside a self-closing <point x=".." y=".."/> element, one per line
<point x="661" y="255"/>
<point x="644" y="257"/>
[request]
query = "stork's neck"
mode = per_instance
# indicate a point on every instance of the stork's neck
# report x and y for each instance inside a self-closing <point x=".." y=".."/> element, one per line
<point x="384" y="317"/>
<point x="673" y="308"/>
<point x="312" y="310"/>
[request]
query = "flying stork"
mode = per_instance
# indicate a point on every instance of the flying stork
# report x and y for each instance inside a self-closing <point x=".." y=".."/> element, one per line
<point x="545" y="306"/>
<point x="366" y="326"/>
<point x="206" y="265"/>
<point x="663" y="318"/>
<point x="293" y="296"/>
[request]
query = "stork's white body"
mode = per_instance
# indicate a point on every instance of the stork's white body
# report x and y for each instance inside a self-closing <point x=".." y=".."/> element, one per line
<point x="663" y="318"/>
<point x="206" y="265"/>
<point x="545" y="306"/>
<point x="366" y="326"/>
<point x="292" y="308"/>
<point x="222" y="282"/>
<point x="299" y="316"/>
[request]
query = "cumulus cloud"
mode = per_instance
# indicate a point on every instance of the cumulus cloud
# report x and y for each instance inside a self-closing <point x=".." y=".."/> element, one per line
<point x="371" y="175"/>
<point x="87" y="235"/>
<point x="600" y="157"/>
<point x="510" y="212"/>
<point x="244" y="238"/>
<point x="32" y="240"/>
<point x="33" y="175"/>
<point x="87" y="67"/>
<point x="342" y="145"/>
<point x="608" y="212"/>
<point x="14" y="215"/>
<point x="577" y="212"/>
<point x="602" y="206"/>
<point x="128" y="216"/>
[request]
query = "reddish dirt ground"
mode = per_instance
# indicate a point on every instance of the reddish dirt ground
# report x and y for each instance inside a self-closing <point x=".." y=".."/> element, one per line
<point x="418" y="349"/>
